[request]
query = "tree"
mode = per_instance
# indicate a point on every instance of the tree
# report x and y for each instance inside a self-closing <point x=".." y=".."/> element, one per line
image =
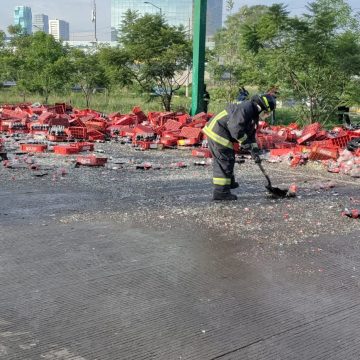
<point x="316" y="56"/>
<point x="113" y="61"/>
<point x="154" y="54"/>
<point x="15" y="30"/>
<point x="2" y="39"/>
<point x="87" y="72"/>
<point x="228" y="64"/>
<point x="37" y="63"/>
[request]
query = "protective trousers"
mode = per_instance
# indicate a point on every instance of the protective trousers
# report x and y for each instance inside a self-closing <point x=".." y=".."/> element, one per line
<point x="223" y="166"/>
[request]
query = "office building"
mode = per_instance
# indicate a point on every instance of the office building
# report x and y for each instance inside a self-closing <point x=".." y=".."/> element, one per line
<point x="23" y="17"/>
<point x="59" y="29"/>
<point x="213" y="16"/>
<point x="174" y="12"/>
<point x="41" y="23"/>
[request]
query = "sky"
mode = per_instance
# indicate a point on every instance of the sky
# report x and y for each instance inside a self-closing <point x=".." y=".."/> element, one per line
<point x="78" y="13"/>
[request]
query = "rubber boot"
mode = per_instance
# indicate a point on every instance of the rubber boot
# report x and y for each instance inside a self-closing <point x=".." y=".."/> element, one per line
<point x="234" y="184"/>
<point x="223" y="193"/>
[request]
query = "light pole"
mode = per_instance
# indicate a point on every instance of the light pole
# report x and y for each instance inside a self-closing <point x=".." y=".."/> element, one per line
<point x="150" y="3"/>
<point x="197" y="104"/>
<point x="38" y="27"/>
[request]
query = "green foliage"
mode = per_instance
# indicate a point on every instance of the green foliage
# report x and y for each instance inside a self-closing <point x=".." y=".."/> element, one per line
<point x="228" y="65"/>
<point x="113" y="61"/>
<point x="87" y="72"/>
<point x="154" y="53"/>
<point x="2" y="38"/>
<point x="37" y="63"/>
<point x="15" y="30"/>
<point x="313" y="58"/>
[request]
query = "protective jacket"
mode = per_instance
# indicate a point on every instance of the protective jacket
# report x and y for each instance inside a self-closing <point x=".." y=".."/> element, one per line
<point x="237" y="123"/>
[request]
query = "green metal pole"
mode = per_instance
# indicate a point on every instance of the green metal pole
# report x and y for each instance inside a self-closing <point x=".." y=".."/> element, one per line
<point x="198" y="56"/>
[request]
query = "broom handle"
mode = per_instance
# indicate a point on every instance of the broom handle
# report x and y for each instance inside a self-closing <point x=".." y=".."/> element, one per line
<point x="265" y="174"/>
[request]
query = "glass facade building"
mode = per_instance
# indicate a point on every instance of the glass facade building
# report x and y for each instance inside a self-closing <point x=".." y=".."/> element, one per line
<point x="175" y="12"/>
<point x="213" y="16"/>
<point x="41" y="23"/>
<point x="23" y="17"/>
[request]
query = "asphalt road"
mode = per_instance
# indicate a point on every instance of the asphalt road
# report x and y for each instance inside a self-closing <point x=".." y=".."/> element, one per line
<point x="115" y="264"/>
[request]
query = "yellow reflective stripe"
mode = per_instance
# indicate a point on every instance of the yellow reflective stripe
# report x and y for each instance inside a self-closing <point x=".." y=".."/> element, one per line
<point x="221" y="181"/>
<point x="242" y="139"/>
<point x="218" y="139"/>
<point x="266" y="103"/>
<point x="217" y="118"/>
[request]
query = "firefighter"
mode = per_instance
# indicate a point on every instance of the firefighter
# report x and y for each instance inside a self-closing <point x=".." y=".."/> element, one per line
<point x="237" y="123"/>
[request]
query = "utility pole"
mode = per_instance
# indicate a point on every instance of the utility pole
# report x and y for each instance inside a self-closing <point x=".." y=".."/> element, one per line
<point x="199" y="36"/>
<point x="93" y="19"/>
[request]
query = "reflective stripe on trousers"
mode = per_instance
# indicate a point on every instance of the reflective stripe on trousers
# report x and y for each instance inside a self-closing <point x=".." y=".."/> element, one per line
<point x="222" y="181"/>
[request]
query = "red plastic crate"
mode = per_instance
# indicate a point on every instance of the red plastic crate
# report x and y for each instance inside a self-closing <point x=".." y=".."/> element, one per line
<point x="96" y="124"/>
<point x="323" y="153"/>
<point x="173" y="125"/>
<point x="164" y="117"/>
<point x="338" y="142"/>
<point x="201" y="116"/>
<point x="85" y="146"/>
<point x="45" y="117"/>
<point x="183" y="119"/>
<point x="189" y="132"/>
<point x="307" y="137"/>
<point x="94" y="135"/>
<point x="169" y="141"/>
<point x="269" y="141"/>
<point x="143" y="130"/>
<point x="91" y="160"/>
<point x="60" y="108"/>
<point x="309" y="132"/>
<point x="127" y="132"/>
<point x="353" y="134"/>
<point x="33" y="147"/>
<point x="146" y="145"/>
<point x="311" y="128"/>
<point x="66" y="149"/>
<point x="321" y="135"/>
<point x="4" y="128"/>
<point x="56" y="138"/>
<point x="77" y="132"/>
<point x="281" y="152"/>
<point x="76" y="122"/>
<point x="198" y="123"/>
<point x="202" y="153"/>
<point x="284" y="145"/>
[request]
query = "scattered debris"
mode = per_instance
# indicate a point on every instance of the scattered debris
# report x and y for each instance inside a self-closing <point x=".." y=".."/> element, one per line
<point x="37" y="129"/>
<point x="354" y="213"/>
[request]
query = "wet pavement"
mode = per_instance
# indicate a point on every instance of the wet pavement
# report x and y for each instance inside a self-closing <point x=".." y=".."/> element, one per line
<point x="131" y="264"/>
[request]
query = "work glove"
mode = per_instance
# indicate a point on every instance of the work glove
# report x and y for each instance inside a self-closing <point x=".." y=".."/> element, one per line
<point x="255" y="153"/>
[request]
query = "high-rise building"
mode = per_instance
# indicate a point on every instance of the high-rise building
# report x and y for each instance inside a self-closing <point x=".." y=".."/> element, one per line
<point x="23" y="17"/>
<point x="41" y="23"/>
<point x="59" y="29"/>
<point x="213" y="16"/>
<point x="175" y="13"/>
